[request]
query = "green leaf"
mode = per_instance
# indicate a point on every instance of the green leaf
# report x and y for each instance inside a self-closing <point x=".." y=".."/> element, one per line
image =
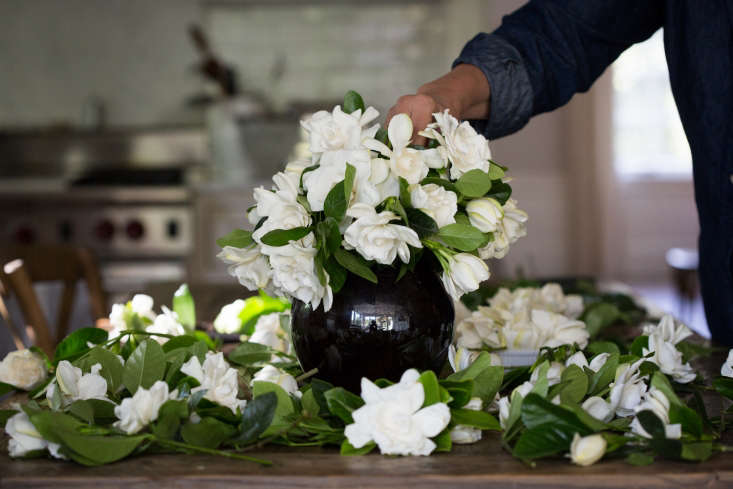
<point x="284" y="409"/>
<point x="349" y="176"/>
<point x="638" y="345"/>
<point x="209" y="432"/>
<point x="443" y="442"/>
<point x="353" y="102"/>
<point x="462" y="237"/>
<point x="597" y="347"/>
<point x="184" y="306"/>
<point x="355" y="264"/>
<point x="336" y="274"/>
<point x="640" y="459"/>
<point x="239" y="238"/>
<point x="430" y="385"/>
<point x="474" y="183"/>
<point x="306" y="170"/>
<point x="86" y="449"/>
<point x="348" y="449"/>
<point x="328" y="235"/>
<point x="424" y="225"/>
<point x="75" y="345"/>
<point x="537" y="411"/>
<point x="393" y="204"/>
<point x="604" y="376"/>
<point x="441" y="182"/>
<point x="486" y="378"/>
<point x="575" y="391"/>
<point x="496" y="171"/>
<point x="500" y="191"/>
<point x="337" y="200"/>
<point x="660" y="381"/>
<point x="5" y="388"/>
<point x="5" y="415"/>
<point x="697" y="451"/>
<point x="651" y="424"/>
<point x="145" y="366"/>
<point x="405" y="197"/>
<point x="257" y="417"/>
<point x="82" y="410"/>
<point x="461" y="392"/>
<point x="691" y="350"/>
<point x="476" y="419"/>
<point x="541" y="441"/>
<point x="691" y="421"/>
<point x="247" y="354"/>
<point x="256" y="306"/>
<point x="183" y="341"/>
<point x="341" y="403"/>
<point x="112" y="368"/>
<point x="281" y="237"/>
<point x="598" y="316"/>
<point x="169" y="419"/>
<point x="724" y="386"/>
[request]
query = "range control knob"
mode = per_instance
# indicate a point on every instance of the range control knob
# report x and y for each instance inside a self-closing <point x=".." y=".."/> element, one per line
<point x="104" y="230"/>
<point x="135" y="229"/>
<point x="25" y="235"/>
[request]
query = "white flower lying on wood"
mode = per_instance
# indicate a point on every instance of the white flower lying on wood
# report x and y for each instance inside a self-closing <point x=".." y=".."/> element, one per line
<point x="137" y="412"/>
<point x="462" y="434"/>
<point x="662" y="342"/>
<point x="656" y="402"/>
<point x="220" y="381"/>
<point x="272" y="374"/>
<point x="587" y="450"/>
<point x="393" y="417"/>
<point x="726" y="370"/>
<point x="72" y="385"/>
<point x="23" y="369"/>
<point x="628" y="389"/>
<point x="25" y="438"/>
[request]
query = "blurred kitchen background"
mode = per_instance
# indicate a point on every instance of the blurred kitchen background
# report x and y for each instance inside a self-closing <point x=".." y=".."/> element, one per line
<point x="138" y="128"/>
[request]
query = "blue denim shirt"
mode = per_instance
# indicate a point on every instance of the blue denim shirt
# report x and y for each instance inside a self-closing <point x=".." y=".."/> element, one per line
<point x="550" y="49"/>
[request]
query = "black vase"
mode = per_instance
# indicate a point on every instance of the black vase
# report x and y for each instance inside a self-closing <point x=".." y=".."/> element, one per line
<point x="376" y="330"/>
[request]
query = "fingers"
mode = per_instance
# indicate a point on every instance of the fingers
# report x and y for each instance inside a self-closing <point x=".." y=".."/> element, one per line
<point x="420" y="108"/>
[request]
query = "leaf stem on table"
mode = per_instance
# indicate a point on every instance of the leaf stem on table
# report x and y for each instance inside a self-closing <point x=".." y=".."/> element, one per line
<point x="210" y="451"/>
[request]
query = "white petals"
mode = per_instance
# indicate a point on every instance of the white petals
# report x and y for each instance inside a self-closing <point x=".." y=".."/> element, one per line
<point x="23" y="369"/>
<point x="436" y="202"/>
<point x="726" y="370"/>
<point x="136" y="412"/>
<point x="272" y="374"/>
<point x="25" y="438"/>
<point x="216" y="377"/>
<point x="485" y="214"/>
<point x="587" y="450"/>
<point x="73" y="385"/>
<point x="374" y="238"/>
<point x="464" y="274"/>
<point x="657" y="402"/>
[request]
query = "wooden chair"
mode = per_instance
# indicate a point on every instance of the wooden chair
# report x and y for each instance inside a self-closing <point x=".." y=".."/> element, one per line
<point x="25" y="265"/>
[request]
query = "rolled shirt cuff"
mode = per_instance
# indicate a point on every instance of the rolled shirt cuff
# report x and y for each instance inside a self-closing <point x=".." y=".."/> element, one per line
<point x="511" y="96"/>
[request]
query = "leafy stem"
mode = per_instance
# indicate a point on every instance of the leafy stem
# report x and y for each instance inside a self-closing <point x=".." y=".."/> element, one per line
<point x="277" y="435"/>
<point x="210" y="451"/>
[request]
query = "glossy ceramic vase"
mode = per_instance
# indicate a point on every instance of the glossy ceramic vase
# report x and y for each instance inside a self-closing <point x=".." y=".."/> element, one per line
<point x="376" y="330"/>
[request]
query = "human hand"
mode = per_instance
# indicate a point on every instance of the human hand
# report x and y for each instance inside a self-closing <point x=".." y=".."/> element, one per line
<point x="464" y="92"/>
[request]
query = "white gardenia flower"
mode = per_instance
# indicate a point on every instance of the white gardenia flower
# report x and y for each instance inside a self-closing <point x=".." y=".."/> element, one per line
<point x="23" y="369"/>
<point x="142" y="305"/>
<point x="332" y="170"/>
<point x="464" y="274"/>
<point x="248" y="265"/>
<point x="587" y="450"/>
<point x="220" y="381"/>
<point x="598" y="408"/>
<point x="628" y="389"/>
<point x="579" y="359"/>
<point x="268" y="331"/>
<point x="726" y="370"/>
<point x="395" y="420"/>
<point x="668" y="330"/>
<point x="512" y="227"/>
<point x="294" y="273"/>
<point x="504" y="403"/>
<point x="228" y="320"/>
<point x="374" y="238"/>
<point x="25" y="438"/>
<point x="272" y="374"/>
<point x="560" y="330"/>
<point x="669" y="360"/>
<point x="481" y="328"/>
<point x="137" y="412"/>
<point x="657" y="402"/>
<point x="552" y="298"/>
<point x="166" y="323"/>
<point x="436" y="202"/>
<point x="459" y="143"/>
<point x="554" y="374"/>
<point x="463" y="434"/>
<point x="460" y="359"/>
<point x="408" y="163"/>
<point x="331" y="131"/>
<point x="73" y="385"/>
<point x="485" y="214"/>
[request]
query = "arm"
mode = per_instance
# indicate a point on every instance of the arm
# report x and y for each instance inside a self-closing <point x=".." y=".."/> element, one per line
<point x="536" y="60"/>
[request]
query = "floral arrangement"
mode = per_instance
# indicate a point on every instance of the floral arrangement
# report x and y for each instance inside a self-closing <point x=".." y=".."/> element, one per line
<point x="104" y="397"/>
<point x="367" y="197"/>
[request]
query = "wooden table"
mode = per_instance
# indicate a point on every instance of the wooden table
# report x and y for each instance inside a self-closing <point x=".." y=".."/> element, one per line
<point x="484" y="464"/>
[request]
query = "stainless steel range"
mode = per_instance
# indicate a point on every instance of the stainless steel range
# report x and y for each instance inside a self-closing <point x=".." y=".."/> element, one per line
<point x="125" y="195"/>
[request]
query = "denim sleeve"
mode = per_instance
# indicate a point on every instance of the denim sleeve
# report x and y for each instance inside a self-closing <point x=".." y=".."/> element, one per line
<point x="548" y="50"/>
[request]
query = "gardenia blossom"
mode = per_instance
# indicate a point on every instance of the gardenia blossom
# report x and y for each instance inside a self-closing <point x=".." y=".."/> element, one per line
<point x="628" y="389"/>
<point x="137" y="412"/>
<point x="331" y="131"/>
<point x="228" y="320"/>
<point x="272" y="374"/>
<point x="560" y="330"/>
<point x="485" y="214"/>
<point x="554" y="374"/>
<point x="587" y="450"/>
<point x="578" y="358"/>
<point x="283" y="211"/>
<point x="481" y="328"/>
<point x="436" y="202"/>
<point x="220" y="381"/>
<point x="248" y="265"/>
<point x="463" y="434"/>
<point x="393" y="417"/>
<point x="512" y="226"/>
<point x="268" y="331"/>
<point x="141" y="304"/>
<point x="72" y="385"/>
<point x="669" y="360"/>
<point x="657" y="402"/>
<point x="726" y="370"/>
<point x="464" y="274"/>
<point x="23" y="369"/>
<point x="294" y="273"/>
<point x="599" y="408"/>
<point x="505" y="402"/>
<point x="25" y="438"/>
<point x="374" y="238"/>
<point x="668" y="330"/>
<point x="459" y="143"/>
<point x="166" y="323"/>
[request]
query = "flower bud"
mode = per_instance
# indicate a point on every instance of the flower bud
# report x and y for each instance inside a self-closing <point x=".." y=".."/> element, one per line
<point x="485" y="214"/>
<point x="587" y="450"/>
<point x="23" y="369"/>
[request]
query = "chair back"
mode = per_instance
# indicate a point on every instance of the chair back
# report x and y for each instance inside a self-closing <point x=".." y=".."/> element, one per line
<point x="25" y="265"/>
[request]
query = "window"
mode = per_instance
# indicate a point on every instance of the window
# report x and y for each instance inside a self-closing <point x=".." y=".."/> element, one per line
<point x="648" y="139"/>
